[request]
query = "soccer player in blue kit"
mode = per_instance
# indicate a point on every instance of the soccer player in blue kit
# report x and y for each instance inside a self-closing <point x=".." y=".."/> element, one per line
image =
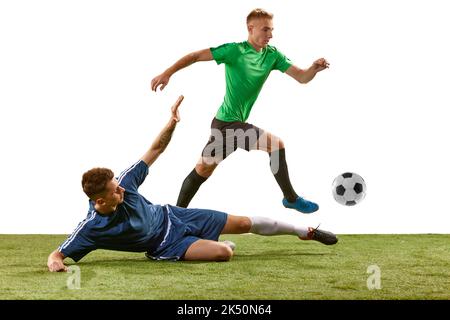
<point x="120" y="218"/>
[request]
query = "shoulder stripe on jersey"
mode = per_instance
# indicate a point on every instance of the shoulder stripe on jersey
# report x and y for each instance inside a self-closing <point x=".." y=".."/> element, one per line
<point x="80" y="226"/>
<point x="124" y="173"/>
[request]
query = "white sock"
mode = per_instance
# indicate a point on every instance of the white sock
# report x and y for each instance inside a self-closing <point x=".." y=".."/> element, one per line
<point x="269" y="227"/>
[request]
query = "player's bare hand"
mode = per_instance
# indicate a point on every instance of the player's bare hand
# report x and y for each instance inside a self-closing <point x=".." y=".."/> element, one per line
<point x="175" y="113"/>
<point x="320" y="64"/>
<point x="57" y="266"/>
<point x="161" y="80"/>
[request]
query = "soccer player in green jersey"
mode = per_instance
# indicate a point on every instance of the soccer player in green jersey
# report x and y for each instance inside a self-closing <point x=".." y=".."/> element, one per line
<point x="247" y="66"/>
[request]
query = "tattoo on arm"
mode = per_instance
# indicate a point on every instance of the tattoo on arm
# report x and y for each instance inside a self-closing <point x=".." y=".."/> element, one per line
<point x="165" y="138"/>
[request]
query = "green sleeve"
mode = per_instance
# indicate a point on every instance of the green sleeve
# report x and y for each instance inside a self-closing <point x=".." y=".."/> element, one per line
<point x="224" y="53"/>
<point x="282" y="63"/>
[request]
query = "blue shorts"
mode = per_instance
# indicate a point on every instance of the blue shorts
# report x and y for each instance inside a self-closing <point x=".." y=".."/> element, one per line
<point x="185" y="226"/>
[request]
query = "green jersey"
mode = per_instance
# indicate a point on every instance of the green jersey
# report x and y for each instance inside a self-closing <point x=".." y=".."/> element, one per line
<point x="246" y="70"/>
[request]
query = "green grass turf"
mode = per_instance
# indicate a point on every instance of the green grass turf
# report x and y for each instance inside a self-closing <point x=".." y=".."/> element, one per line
<point x="280" y="267"/>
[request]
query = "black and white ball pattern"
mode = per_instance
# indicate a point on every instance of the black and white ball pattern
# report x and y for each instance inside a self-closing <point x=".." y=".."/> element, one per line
<point x="349" y="188"/>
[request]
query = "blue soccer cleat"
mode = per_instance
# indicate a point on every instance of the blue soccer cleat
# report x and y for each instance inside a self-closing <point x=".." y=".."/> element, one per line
<point x="301" y="205"/>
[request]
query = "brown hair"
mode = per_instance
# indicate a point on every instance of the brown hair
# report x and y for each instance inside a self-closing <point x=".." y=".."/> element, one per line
<point x="94" y="181"/>
<point x="257" y="14"/>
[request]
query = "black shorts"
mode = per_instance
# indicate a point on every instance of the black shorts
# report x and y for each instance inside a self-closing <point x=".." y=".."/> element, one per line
<point x="226" y="137"/>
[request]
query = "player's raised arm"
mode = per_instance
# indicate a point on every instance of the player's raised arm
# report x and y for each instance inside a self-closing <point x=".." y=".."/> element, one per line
<point x="162" y="140"/>
<point x="305" y="76"/>
<point x="163" y="79"/>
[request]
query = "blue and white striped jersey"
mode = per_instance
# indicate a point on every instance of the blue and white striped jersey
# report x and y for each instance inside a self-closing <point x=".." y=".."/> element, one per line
<point x="137" y="225"/>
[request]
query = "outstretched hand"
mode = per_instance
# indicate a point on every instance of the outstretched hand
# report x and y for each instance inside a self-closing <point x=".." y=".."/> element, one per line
<point x="320" y="64"/>
<point x="161" y="80"/>
<point x="175" y="113"/>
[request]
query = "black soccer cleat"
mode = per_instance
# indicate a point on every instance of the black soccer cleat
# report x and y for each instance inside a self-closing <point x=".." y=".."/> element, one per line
<point x="325" y="237"/>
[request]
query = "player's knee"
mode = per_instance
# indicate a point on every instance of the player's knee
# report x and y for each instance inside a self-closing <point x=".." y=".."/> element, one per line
<point x="244" y="225"/>
<point x="223" y="253"/>
<point x="204" y="169"/>
<point x="275" y="143"/>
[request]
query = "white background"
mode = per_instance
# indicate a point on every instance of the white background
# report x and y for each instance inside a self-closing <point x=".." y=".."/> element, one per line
<point x="74" y="94"/>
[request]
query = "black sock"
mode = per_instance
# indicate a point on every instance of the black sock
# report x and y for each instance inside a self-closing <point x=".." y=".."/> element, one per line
<point x="189" y="188"/>
<point x="281" y="173"/>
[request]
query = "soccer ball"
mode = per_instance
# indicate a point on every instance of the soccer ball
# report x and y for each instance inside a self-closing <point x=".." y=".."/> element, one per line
<point x="349" y="189"/>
